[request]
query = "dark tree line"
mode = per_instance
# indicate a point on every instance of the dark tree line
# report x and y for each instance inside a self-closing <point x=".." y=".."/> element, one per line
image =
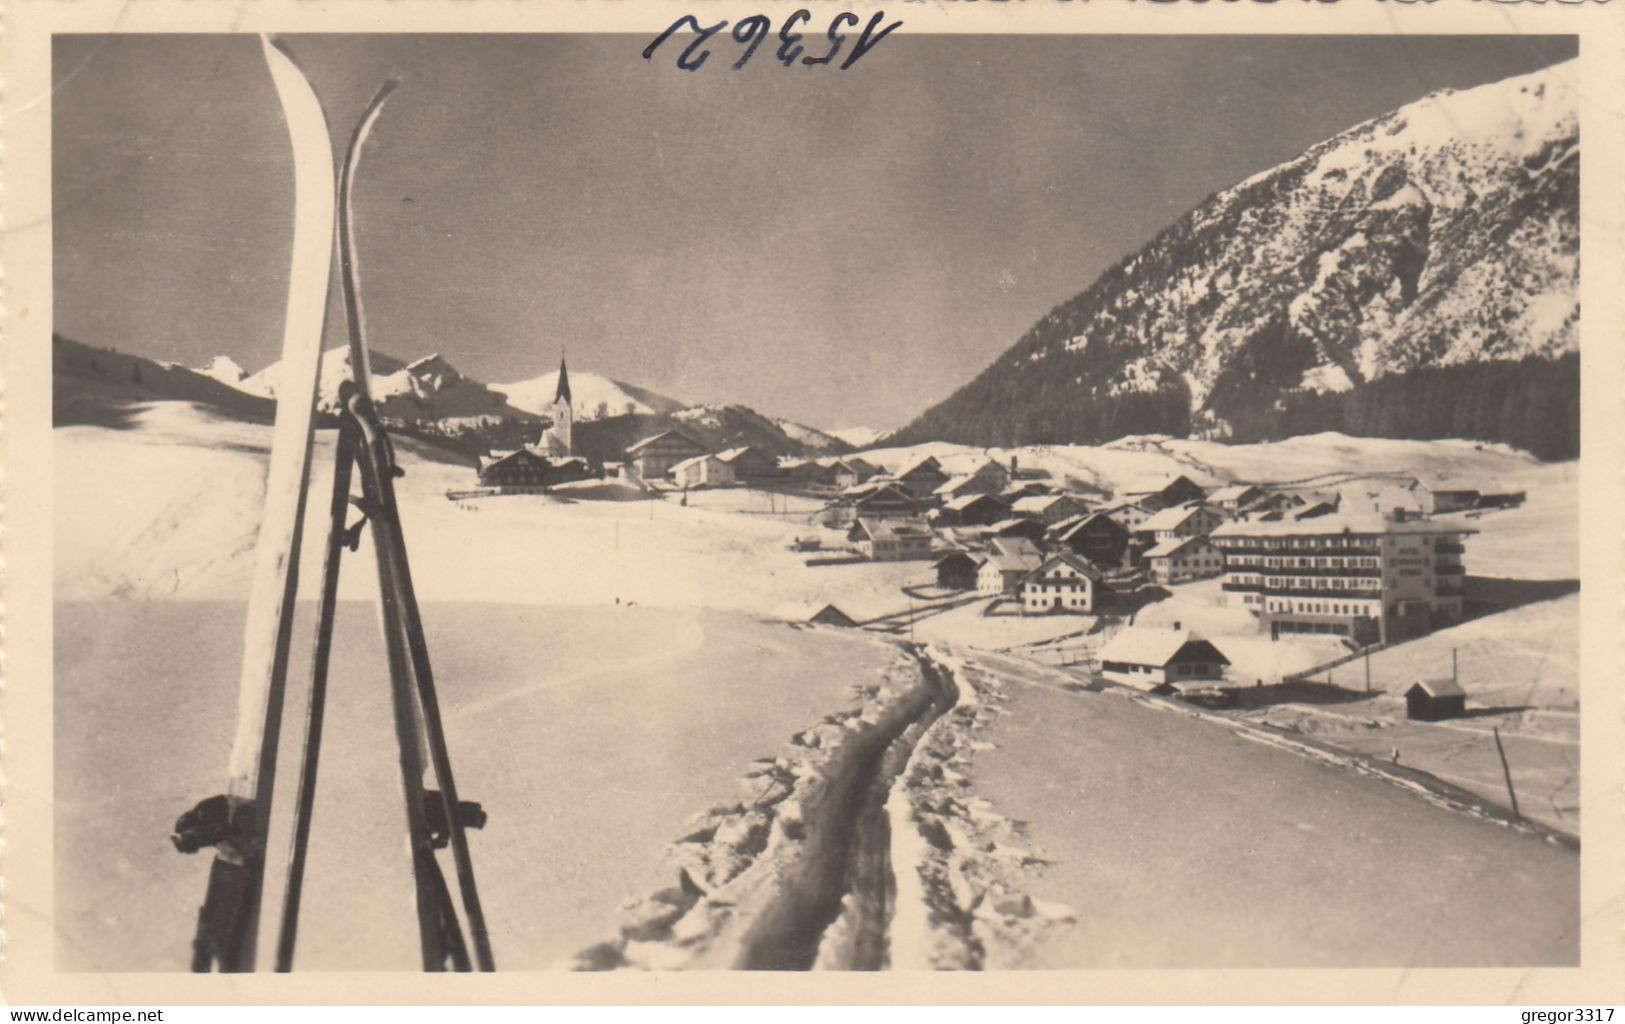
<point x="1531" y="403"/>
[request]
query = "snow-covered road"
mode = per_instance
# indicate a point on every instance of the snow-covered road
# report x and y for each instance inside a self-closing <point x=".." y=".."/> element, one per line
<point x="1180" y="843"/>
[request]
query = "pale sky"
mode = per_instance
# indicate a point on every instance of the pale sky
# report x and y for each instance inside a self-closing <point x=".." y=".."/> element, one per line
<point x="839" y="248"/>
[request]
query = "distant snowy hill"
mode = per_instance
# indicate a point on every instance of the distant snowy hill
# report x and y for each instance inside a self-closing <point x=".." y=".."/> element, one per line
<point x="225" y="370"/>
<point x="592" y="397"/>
<point x="1416" y="275"/>
<point x="858" y="437"/>
<point x="104" y="387"/>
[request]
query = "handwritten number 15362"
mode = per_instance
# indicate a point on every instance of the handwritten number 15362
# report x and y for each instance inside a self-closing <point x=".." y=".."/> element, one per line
<point x="750" y="32"/>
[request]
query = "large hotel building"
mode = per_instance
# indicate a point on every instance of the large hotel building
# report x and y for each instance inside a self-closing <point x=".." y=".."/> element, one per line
<point x="1372" y="578"/>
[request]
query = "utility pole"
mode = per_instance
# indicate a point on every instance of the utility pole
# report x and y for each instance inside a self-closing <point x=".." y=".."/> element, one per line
<point x="1368" y="670"/>
<point x="1507" y="773"/>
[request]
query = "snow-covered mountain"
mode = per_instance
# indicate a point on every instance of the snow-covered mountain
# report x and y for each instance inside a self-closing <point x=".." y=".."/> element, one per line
<point x="429" y="389"/>
<point x="857" y="437"/>
<point x="225" y="370"/>
<point x="592" y="396"/>
<point x="1437" y="238"/>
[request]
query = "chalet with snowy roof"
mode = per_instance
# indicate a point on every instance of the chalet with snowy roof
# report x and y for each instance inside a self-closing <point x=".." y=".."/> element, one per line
<point x="1178" y="491"/>
<point x="653" y="457"/>
<point x="1440" y="499"/>
<point x="702" y="471"/>
<point x="887" y="501"/>
<point x="1014" y="546"/>
<point x="891" y="540"/>
<point x="1032" y="529"/>
<point x="748" y="464"/>
<point x="962" y="486"/>
<point x="1149" y="658"/>
<point x="851" y="470"/>
<point x="1272" y="504"/>
<point x="1025" y="489"/>
<point x="1001" y="574"/>
<point x="994" y="475"/>
<point x="1180" y="521"/>
<point x="1433" y="700"/>
<point x="922" y="478"/>
<point x="957" y="570"/>
<point x="973" y="510"/>
<point x="1097" y="537"/>
<point x="1232" y="499"/>
<point x="1128" y="514"/>
<point x="1063" y="582"/>
<point x="1047" y="508"/>
<point x="526" y="472"/>
<point x="1183" y="559"/>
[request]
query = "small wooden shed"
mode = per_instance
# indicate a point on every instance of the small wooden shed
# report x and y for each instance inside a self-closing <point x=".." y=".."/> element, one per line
<point x="1429" y="700"/>
<point x="829" y="615"/>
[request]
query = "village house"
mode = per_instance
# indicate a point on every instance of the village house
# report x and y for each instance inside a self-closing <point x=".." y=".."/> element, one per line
<point x="1183" y="559"/>
<point x="749" y="465"/>
<point x="1001" y="574"/>
<point x="1369" y="577"/>
<point x="1063" y="582"/>
<point x="1433" y="700"/>
<point x="1047" y="508"/>
<point x="963" y="486"/>
<point x="892" y="540"/>
<point x="973" y="510"/>
<point x="1178" y="491"/>
<point x="994" y="475"/>
<point x="851" y="471"/>
<point x="1025" y="489"/>
<point x="1014" y="546"/>
<point x="922" y="478"/>
<point x="525" y="472"/>
<point x="1148" y="658"/>
<point x="1097" y="537"/>
<point x="1272" y="505"/>
<point x="653" y="457"/>
<point x="880" y="501"/>
<point x="1128" y="514"/>
<point x="957" y="570"/>
<point x="1438" y="500"/>
<point x="1032" y="529"/>
<point x="1231" y="500"/>
<point x="702" y="471"/>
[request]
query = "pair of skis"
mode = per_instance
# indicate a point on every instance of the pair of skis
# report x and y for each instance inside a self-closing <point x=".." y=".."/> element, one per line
<point x="237" y="822"/>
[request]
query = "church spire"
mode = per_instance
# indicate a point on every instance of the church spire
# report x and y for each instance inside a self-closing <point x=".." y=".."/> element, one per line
<point x="563" y="394"/>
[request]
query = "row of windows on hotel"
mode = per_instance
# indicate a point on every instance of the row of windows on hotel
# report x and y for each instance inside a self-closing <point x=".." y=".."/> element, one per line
<point x="1308" y="607"/>
<point x="1332" y="583"/>
<point x="1275" y="562"/>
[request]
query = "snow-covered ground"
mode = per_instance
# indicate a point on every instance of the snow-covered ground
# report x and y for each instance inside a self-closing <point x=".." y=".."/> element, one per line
<point x="613" y="661"/>
<point x="590" y="736"/>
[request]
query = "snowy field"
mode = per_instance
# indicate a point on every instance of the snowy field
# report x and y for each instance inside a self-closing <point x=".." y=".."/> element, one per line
<point x="611" y="663"/>
<point x="589" y="735"/>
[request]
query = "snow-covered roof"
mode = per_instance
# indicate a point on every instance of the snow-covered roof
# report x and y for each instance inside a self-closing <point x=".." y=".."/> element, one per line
<point x="694" y="461"/>
<point x="732" y="454"/>
<point x="1365" y="523"/>
<point x="1439" y="687"/>
<point x="1014" y="546"/>
<point x="929" y="463"/>
<point x="1173" y="546"/>
<point x="652" y="438"/>
<point x="1067" y="558"/>
<point x="880" y="529"/>
<point x="1169" y="518"/>
<point x="1013" y="563"/>
<point x="1144" y="645"/>
<point x="965" y="501"/>
<point x="1038" y="502"/>
<point x="1235" y="492"/>
<point x="953" y="484"/>
<point x="1064" y="529"/>
<point x="1007" y="524"/>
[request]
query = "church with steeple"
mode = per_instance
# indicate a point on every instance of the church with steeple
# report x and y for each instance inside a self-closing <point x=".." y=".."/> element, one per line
<point x="535" y="468"/>
<point x="556" y="439"/>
